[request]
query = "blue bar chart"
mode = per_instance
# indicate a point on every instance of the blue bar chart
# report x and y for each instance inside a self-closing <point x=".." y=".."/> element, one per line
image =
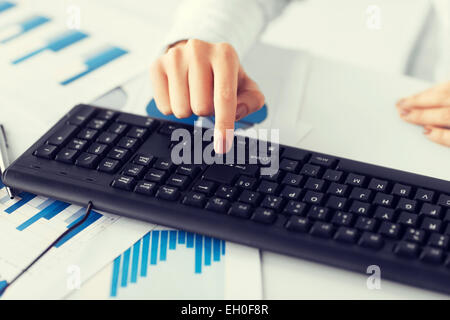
<point x="5" y="5"/>
<point x="24" y="27"/>
<point x="157" y="246"/>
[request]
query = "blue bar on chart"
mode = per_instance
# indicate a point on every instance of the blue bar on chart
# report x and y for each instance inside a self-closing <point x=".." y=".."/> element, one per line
<point x="204" y="249"/>
<point x="5" y="5"/>
<point x="24" y="26"/>
<point x="47" y="213"/>
<point x="25" y="197"/>
<point x="173" y="240"/>
<point x="97" y="60"/>
<point x="1" y="184"/>
<point x="93" y="216"/>
<point x="45" y="203"/>
<point x="75" y="216"/>
<point x="55" y="44"/>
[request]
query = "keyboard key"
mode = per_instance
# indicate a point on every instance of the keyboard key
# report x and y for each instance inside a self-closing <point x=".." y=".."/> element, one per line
<point x="168" y="128"/>
<point x="389" y="229"/>
<point x="341" y="218"/>
<point x="248" y="169"/>
<point x="222" y="174"/>
<point x="133" y="170"/>
<point x="117" y="153"/>
<point x="346" y="235"/>
<point x="383" y="213"/>
<point x="98" y="149"/>
<point x="378" y="185"/>
<point x="250" y="197"/>
<point x="383" y="199"/>
<point x="46" y="151"/>
<point x="314" y="184"/>
<point x="81" y="116"/>
<point x="408" y="219"/>
<point x="217" y="204"/>
<point x="267" y="187"/>
<point x="424" y="195"/>
<point x="294" y="207"/>
<point x="179" y="181"/>
<point x="407" y="205"/>
<point x="332" y="175"/>
<point x="365" y="224"/>
<point x="62" y="136"/>
<point x="67" y="155"/>
<point x="295" y="154"/>
<point x="168" y="193"/>
<point x="444" y="200"/>
<point x="272" y="202"/>
<point x="322" y="229"/>
<point x="246" y="182"/>
<point x="313" y="197"/>
<point x="273" y="177"/>
<point x="336" y="203"/>
<point x="118" y="128"/>
<point x="319" y="213"/>
<point x="337" y="189"/>
<point x="414" y="235"/>
<point x="401" y="190"/>
<point x="289" y="165"/>
<point x="371" y="241"/>
<point x="107" y="114"/>
<point x="355" y="180"/>
<point x="310" y="170"/>
<point x="290" y="193"/>
<point x="77" y="144"/>
<point x="143" y="159"/>
<point x="136" y="120"/>
<point x="195" y="199"/>
<point x="226" y="192"/>
<point x="361" y="194"/>
<point x="204" y="186"/>
<point x="432" y="255"/>
<point x="432" y="225"/>
<point x="108" y="165"/>
<point x="107" y="138"/>
<point x="123" y="182"/>
<point x="438" y="241"/>
<point x="431" y="210"/>
<point x="87" y="134"/>
<point x="189" y="170"/>
<point x="407" y="249"/>
<point x="144" y="187"/>
<point x="97" y="124"/>
<point x="87" y="160"/>
<point x="360" y="208"/>
<point x="138" y="133"/>
<point x="292" y="179"/>
<point x="323" y="160"/>
<point x="239" y="209"/>
<point x="298" y="224"/>
<point x="128" y="143"/>
<point x="156" y="175"/>
<point x="264" y="215"/>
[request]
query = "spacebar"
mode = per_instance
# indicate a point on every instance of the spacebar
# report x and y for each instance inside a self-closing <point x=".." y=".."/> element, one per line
<point x="221" y="173"/>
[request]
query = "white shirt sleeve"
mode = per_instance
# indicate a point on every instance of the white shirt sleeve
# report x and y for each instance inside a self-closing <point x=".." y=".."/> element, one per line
<point x="238" y="22"/>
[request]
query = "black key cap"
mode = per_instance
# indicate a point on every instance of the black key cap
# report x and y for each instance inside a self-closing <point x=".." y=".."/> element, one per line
<point x="241" y="210"/>
<point x="179" y="181"/>
<point x="365" y="224"/>
<point x="156" y="175"/>
<point x="189" y="170"/>
<point x="431" y="210"/>
<point x="195" y="199"/>
<point x="332" y="175"/>
<point x="273" y="177"/>
<point x="168" y="193"/>
<point x="383" y="213"/>
<point x="144" y="187"/>
<point x="248" y="169"/>
<point x="128" y="143"/>
<point x="133" y="170"/>
<point x="108" y="165"/>
<point x="407" y="205"/>
<point x="341" y="218"/>
<point x="336" y="203"/>
<point x="138" y="133"/>
<point x="272" y="202"/>
<point x="314" y="184"/>
<point x="378" y="185"/>
<point x="77" y="144"/>
<point x="81" y="116"/>
<point x="87" y="134"/>
<point x="246" y="182"/>
<point x="98" y="149"/>
<point x="267" y="187"/>
<point x="118" y="128"/>
<point x="355" y="180"/>
<point x="346" y="235"/>
<point x="123" y="182"/>
<point x="444" y="200"/>
<point x="414" y="235"/>
<point x="204" y="186"/>
<point x="67" y="155"/>
<point x="295" y="208"/>
<point x="389" y="229"/>
<point x="361" y="194"/>
<point x="319" y="213"/>
<point x="371" y="241"/>
<point x="295" y="154"/>
<point x="117" y="153"/>
<point x="313" y="197"/>
<point x="226" y="192"/>
<point x="438" y="241"/>
<point x="143" y="159"/>
<point x="289" y="165"/>
<point x="323" y="160"/>
<point x="217" y="204"/>
<point x="298" y="224"/>
<point x="168" y="128"/>
<point x="310" y="170"/>
<point x="424" y="195"/>
<point x="107" y="138"/>
<point x="383" y="199"/>
<point x="322" y="229"/>
<point x="106" y="115"/>
<point x="136" y="120"/>
<point x="250" y="197"/>
<point x="407" y="249"/>
<point x="221" y="174"/>
<point x="264" y="215"/>
<point x="408" y="219"/>
<point x="87" y="160"/>
<point x="401" y="190"/>
<point x="432" y="255"/>
<point x="337" y="189"/>
<point x="97" y="124"/>
<point x="46" y="151"/>
<point x="360" y="208"/>
<point x="290" y="193"/>
<point x="63" y="135"/>
<point x="292" y="179"/>
<point x="432" y="225"/>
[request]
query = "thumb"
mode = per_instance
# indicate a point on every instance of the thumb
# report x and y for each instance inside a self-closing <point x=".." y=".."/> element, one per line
<point x="249" y="98"/>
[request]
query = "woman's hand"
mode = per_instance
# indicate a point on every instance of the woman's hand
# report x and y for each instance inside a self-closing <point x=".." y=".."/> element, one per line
<point x="205" y="78"/>
<point x="430" y="109"/>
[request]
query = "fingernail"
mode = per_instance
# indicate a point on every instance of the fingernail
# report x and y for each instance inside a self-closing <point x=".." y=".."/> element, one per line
<point x="241" y="111"/>
<point x="426" y="130"/>
<point x="404" y="112"/>
<point x="401" y="102"/>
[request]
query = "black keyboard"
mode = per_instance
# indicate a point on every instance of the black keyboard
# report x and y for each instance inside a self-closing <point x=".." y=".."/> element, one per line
<point x="319" y="207"/>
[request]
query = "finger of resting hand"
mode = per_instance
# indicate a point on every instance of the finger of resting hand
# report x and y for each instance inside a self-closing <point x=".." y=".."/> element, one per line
<point x="178" y="87"/>
<point x="433" y="116"/>
<point x="160" y="86"/>
<point x="438" y="135"/>
<point x="201" y="88"/>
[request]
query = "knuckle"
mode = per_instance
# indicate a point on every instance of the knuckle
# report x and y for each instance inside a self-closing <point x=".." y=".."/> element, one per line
<point x="226" y="51"/>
